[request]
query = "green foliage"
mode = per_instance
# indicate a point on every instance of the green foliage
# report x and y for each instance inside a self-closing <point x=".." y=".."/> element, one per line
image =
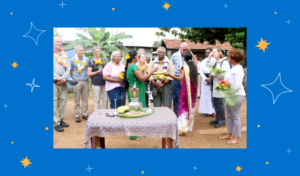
<point x="156" y="44"/>
<point x="55" y="33"/>
<point x="235" y="36"/>
<point x="102" y="39"/>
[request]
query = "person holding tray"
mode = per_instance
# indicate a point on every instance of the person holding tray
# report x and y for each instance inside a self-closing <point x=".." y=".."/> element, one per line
<point x="133" y="77"/>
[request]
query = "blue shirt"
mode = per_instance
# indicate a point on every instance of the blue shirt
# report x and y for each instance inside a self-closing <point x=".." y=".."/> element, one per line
<point x="79" y="76"/>
<point x="175" y="59"/>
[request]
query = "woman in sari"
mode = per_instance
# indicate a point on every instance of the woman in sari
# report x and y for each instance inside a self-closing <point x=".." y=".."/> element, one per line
<point x="188" y="94"/>
<point x="134" y="77"/>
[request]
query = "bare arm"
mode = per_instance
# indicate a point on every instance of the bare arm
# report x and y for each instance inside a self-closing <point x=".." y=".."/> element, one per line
<point x="180" y="78"/>
<point x="142" y="77"/>
<point x="109" y="79"/>
<point x="90" y="73"/>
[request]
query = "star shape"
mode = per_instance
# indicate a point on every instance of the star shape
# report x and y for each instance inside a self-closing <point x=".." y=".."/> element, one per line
<point x="34" y="32"/>
<point x="288" y="21"/>
<point x="62" y="4"/>
<point x="5" y="106"/>
<point x="143" y="172"/>
<point x="26" y="162"/>
<point x="238" y="169"/>
<point x="11" y="13"/>
<point x="262" y="44"/>
<point x="33" y="85"/>
<point x="46" y="128"/>
<point x="275" y="13"/>
<point x="113" y="8"/>
<point x="289" y="150"/>
<point x="275" y="93"/>
<point x="166" y="6"/>
<point x="258" y="126"/>
<point x="12" y="142"/>
<point x="89" y="168"/>
<point x="225" y="5"/>
<point x="267" y="163"/>
<point x="195" y="168"/>
<point x="14" y="64"/>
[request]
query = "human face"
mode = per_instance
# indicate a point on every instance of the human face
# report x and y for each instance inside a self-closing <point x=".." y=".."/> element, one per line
<point x="117" y="58"/>
<point x="161" y="53"/>
<point x="57" y="43"/>
<point x="183" y="49"/>
<point x="97" y="52"/>
<point x="142" y="58"/>
<point x="148" y="60"/>
<point x="79" y="52"/>
<point x="215" y="53"/>
<point x="207" y="52"/>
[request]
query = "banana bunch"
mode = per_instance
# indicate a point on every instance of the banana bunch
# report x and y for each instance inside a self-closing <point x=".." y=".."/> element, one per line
<point x="123" y="109"/>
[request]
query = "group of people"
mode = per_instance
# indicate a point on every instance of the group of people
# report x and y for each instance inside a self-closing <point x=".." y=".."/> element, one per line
<point x="179" y="84"/>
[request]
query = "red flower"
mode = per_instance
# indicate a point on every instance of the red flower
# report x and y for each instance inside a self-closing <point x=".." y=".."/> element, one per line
<point x="222" y="82"/>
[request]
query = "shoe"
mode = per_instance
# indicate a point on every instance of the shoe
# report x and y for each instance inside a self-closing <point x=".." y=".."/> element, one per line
<point x="59" y="128"/>
<point x="63" y="124"/>
<point x="219" y="125"/>
<point x="213" y="122"/>
<point x="85" y="117"/>
<point x="77" y="119"/>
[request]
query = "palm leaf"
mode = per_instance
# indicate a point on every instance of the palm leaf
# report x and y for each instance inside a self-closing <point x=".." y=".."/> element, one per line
<point x="107" y="34"/>
<point x="73" y="44"/>
<point x="118" y="37"/>
<point x="102" y="33"/>
<point x="82" y="36"/>
<point x="104" y="55"/>
<point x="94" y="34"/>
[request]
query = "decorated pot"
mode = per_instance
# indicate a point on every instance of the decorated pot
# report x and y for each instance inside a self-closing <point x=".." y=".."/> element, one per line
<point x="135" y="106"/>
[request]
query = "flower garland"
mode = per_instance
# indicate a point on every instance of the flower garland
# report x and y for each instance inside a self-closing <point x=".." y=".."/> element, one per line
<point x="80" y="67"/>
<point x="160" y="76"/>
<point x="63" y="60"/>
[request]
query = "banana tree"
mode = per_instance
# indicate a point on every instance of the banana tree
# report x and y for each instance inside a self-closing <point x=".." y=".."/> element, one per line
<point x="102" y="39"/>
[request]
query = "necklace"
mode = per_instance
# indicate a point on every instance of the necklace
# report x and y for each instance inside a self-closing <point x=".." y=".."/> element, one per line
<point x="63" y="60"/>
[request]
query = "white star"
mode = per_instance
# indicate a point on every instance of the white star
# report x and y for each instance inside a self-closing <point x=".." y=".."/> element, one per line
<point x="89" y="168"/>
<point x="289" y="150"/>
<point x="195" y="168"/>
<point x="225" y="5"/>
<point x="275" y="98"/>
<point x="34" y="33"/>
<point x="288" y="21"/>
<point x="32" y="85"/>
<point x="62" y="4"/>
<point x="5" y="105"/>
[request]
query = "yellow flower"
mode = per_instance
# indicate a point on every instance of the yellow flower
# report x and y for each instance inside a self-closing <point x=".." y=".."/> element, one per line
<point x="98" y="62"/>
<point x="157" y="76"/>
<point x="79" y="70"/>
<point x="121" y="75"/>
<point x="141" y="70"/>
<point x="77" y="62"/>
<point x="56" y="57"/>
<point x="84" y="64"/>
<point x="163" y="76"/>
<point x="64" y="57"/>
<point x="64" y="54"/>
<point x="127" y="56"/>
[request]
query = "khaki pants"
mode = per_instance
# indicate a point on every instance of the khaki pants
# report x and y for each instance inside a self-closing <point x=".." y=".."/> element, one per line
<point x="60" y="101"/>
<point x="199" y="86"/>
<point x="98" y="90"/>
<point x="81" y="91"/>
<point x="164" y="98"/>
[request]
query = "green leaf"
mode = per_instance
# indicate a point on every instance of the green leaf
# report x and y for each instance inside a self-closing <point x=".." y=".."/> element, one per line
<point x="82" y="36"/>
<point x="73" y="44"/>
<point x="118" y="37"/>
<point x="94" y="34"/>
<point x="102" y="33"/>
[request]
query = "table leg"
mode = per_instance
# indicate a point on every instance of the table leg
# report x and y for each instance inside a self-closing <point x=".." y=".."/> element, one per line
<point x="102" y="142"/>
<point x="163" y="143"/>
<point x="94" y="142"/>
<point x="170" y="143"/>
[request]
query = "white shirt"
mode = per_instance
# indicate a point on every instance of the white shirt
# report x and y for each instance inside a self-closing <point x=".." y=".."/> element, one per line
<point x="204" y="69"/>
<point x="235" y="78"/>
<point x="225" y="66"/>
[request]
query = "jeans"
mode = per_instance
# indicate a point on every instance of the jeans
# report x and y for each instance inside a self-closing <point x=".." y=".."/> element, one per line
<point x="220" y="110"/>
<point x="176" y="93"/>
<point x="117" y="93"/>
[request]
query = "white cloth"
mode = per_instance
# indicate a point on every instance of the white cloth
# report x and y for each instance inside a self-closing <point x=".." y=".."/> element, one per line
<point x="98" y="90"/>
<point x="199" y="66"/>
<point x="235" y="78"/>
<point x="205" y="105"/>
<point x="183" y="121"/>
<point x="225" y="66"/>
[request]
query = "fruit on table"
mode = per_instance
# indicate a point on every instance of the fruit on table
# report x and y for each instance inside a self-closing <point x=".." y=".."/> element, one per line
<point x="126" y="108"/>
<point x="121" y="109"/>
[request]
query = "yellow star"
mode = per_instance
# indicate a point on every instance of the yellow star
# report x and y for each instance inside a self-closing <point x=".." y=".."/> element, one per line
<point x="275" y="13"/>
<point x="14" y="64"/>
<point x="25" y="162"/>
<point x="143" y="172"/>
<point x="258" y="126"/>
<point x="238" y="169"/>
<point x="113" y="8"/>
<point x="46" y="128"/>
<point x="267" y="162"/>
<point x="166" y="6"/>
<point x="11" y="13"/>
<point x="262" y="44"/>
<point x="12" y="142"/>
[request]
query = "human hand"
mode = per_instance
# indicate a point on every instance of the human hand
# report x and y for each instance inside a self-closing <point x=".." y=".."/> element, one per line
<point x="100" y="70"/>
<point x="207" y="81"/>
<point x="58" y="82"/>
<point x="161" y="85"/>
<point x="62" y="80"/>
<point x="166" y="74"/>
<point x="154" y="69"/>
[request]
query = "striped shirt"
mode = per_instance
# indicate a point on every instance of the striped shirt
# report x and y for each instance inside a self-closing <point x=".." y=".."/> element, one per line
<point x="176" y="62"/>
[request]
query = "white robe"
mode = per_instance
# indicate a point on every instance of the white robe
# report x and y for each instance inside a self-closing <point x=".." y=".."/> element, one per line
<point x="205" y="106"/>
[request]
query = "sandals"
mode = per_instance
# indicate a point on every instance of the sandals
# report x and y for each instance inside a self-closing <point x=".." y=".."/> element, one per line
<point x="182" y="134"/>
<point x="233" y="141"/>
<point x="225" y="137"/>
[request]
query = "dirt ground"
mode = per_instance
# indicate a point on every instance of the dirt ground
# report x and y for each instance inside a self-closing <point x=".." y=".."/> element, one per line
<point x="203" y="135"/>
